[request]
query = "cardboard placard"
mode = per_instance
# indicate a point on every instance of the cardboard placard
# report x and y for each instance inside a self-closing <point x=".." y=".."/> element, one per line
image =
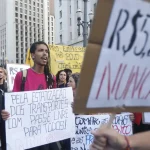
<point x="39" y="117"/>
<point x="115" y="75"/>
<point x="12" y="70"/>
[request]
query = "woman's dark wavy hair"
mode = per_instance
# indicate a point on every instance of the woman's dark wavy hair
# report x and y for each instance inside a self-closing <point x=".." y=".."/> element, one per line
<point x="47" y="68"/>
<point x="76" y="77"/>
<point x="57" y="75"/>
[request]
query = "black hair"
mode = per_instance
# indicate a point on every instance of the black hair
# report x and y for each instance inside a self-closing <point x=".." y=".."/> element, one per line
<point x="67" y="76"/>
<point x="76" y="77"/>
<point x="47" y="68"/>
<point x="57" y="75"/>
<point x="68" y="70"/>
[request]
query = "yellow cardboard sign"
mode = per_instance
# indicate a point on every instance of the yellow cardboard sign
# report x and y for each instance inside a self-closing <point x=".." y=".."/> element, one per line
<point x="63" y="57"/>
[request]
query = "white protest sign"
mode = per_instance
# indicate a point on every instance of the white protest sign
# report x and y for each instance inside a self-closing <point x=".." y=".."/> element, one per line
<point x="39" y="117"/>
<point x="86" y="123"/>
<point x="122" y="76"/>
<point x="12" y="70"/>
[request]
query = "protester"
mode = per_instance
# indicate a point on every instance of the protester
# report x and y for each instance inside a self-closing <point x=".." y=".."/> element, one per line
<point x="61" y="79"/>
<point x="68" y="72"/>
<point x="38" y="78"/>
<point x="3" y="89"/>
<point x="73" y="81"/>
<point x="107" y="138"/>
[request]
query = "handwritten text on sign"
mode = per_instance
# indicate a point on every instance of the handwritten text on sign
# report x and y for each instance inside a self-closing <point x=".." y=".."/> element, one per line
<point x="125" y="79"/>
<point x="12" y="70"/>
<point x="86" y="123"/>
<point x="39" y="116"/>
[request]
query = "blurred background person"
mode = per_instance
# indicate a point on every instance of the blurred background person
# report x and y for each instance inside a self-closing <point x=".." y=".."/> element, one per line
<point x="61" y="77"/>
<point x="73" y="82"/>
<point x="68" y="72"/>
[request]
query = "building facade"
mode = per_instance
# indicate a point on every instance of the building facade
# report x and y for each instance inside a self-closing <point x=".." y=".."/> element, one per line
<point x="22" y="22"/>
<point x="66" y="30"/>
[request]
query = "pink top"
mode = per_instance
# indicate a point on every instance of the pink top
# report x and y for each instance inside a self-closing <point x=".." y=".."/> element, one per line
<point x="34" y="81"/>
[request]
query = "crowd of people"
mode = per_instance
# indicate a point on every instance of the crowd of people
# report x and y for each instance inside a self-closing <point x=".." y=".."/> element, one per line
<point x="37" y="78"/>
<point x="40" y="77"/>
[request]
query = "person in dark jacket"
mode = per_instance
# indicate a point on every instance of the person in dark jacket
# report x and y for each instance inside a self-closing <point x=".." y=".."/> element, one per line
<point x="3" y="89"/>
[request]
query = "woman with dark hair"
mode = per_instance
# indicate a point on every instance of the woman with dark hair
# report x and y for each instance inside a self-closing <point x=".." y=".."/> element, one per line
<point x="38" y="77"/>
<point x="73" y="82"/>
<point x="61" y="77"/>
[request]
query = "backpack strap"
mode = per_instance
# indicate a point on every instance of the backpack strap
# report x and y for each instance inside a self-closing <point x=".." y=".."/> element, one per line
<point x="24" y="76"/>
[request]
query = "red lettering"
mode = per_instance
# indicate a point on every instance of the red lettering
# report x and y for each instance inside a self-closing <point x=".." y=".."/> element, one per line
<point x="101" y="83"/>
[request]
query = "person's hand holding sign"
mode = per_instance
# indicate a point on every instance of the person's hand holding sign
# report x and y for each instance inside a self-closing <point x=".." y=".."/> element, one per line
<point x="108" y="139"/>
<point x="5" y="114"/>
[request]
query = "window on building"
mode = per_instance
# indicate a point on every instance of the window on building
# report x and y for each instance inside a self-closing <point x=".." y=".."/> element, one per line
<point x="60" y="25"/>
<point x="16" y="8"/>
<point x="33" y="13"/>
<point x="21" y="5"/>
<point x="22" y="62"/>
<point x="30" y="7"/>
<point x="41" y="5"/>
<point x="34" y="3"/>
<point x="20" y="15"/>
<point x="25" y="5"/>
<point x="38" y="4"/>
<point x="21" y="10"/>
<point x="51" y="23"/>
<point x="21" y="21"/>
<point x="16" y="20"/>
<point x="70" y="35"/>
<point x="52" y="18"/>
<point x="25" y="11"/>
<point x="25" y="16"/>
<point x="17" y="56"/>
<point x="60" y="2"/>
<point x="77" y="4"/>
<point x="70" y="9"/>
<point x="26" y="22"/>
<point x="52" y="38"/>
<point x="30" y="23"/>
<point x="16" y="26"/>
<point x="52" y="33"/>
<point x="61" y="38"/>
<point x="29" y="12"/>
<point x="16" y="14"/>
<point x="60" y="14"/>
<point x="25" y="1"/>
<point x="34" y="8"/>
<point x="16" y="3"/>
<point x="94" y="7"/>
<point x="34" y="19"/>
<point x="70" y="21"/>
<point x="29" y="1"/>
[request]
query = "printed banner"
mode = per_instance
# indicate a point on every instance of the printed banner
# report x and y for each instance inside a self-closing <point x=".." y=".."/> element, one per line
<point x="39" y="117"/>
<point x="12" y="70"/>
<point x="86" y="123"/>
<point x="63" y="57"/>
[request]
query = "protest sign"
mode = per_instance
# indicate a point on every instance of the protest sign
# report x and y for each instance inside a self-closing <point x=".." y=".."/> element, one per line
<point x="12" y="70"/>
<point x="39" y="117"/>
<point x="86" y="123"/>
<point x="116" y="59"/>
<point x="63" y="57"/>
